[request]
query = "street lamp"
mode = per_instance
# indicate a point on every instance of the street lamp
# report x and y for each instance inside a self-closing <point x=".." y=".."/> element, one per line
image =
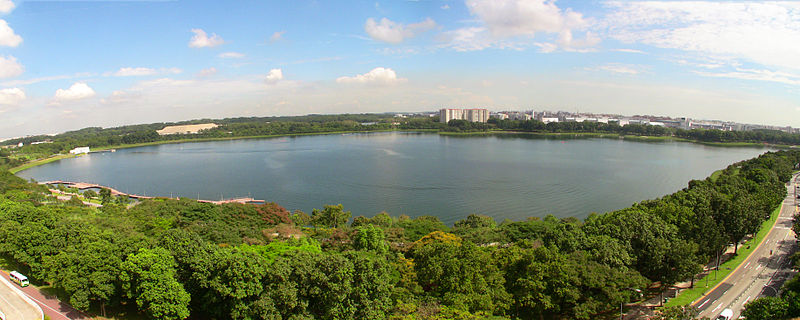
<point x="622" y="303"/>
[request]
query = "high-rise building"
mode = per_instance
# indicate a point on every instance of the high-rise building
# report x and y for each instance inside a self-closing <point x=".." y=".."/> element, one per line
<point x="472" y="115"/>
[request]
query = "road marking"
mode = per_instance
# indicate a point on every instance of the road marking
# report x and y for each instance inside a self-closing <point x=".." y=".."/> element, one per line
<point x="745" y="300"/>
<point x="702" y="304"/>
<point x="715" y="309"/>
<point x="759" y="267"/>
<point x="786" y="236"/>
<point x="11" y="305"/>
<point x="748" y="264"/>
<point x="46" y="306"/>
<point x="768" y="239"/>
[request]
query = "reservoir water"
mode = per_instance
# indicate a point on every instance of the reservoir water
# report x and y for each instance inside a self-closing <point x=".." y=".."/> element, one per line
<point x="503" y="176"/>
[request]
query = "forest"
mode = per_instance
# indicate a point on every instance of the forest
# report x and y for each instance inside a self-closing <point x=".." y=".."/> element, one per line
<point x="177" y="259"/>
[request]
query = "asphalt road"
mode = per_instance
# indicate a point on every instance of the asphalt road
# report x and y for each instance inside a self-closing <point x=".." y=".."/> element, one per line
<point x="14" y="306"/>
<point x="761" y="274"/>
<point x="49" y="304"/>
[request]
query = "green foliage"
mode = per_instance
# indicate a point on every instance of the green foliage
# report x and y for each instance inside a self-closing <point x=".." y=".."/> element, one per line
<point x="331" y="216"/>
<point x="766" y="308"/>
<point x="276" y="249"/>
<point x="420" y="226"/>
<point x="677" y="313"/>
<point x="370" y="238"/>
<point x="148" y="277"/>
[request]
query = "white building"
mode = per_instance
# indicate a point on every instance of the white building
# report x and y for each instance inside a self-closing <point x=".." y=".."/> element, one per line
<point x="79" y="150"/>
<point x="549" y="119"/>
<point x="472" y="115"/>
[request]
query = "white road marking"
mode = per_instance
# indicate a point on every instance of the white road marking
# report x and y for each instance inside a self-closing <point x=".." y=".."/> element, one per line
<point x="745" y="300"/>
<point x="759" y="267"/>
<point x="715" y="309"/>
<point x="46" y="306"/>
<point x="748" y="263"/>
<point x="11" y="305"/>
<point x="702" y="304"/>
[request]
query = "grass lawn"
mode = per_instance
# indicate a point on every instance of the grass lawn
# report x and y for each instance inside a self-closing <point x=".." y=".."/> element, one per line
<point x="700" y="287"/>
<point x="40" y="162"/>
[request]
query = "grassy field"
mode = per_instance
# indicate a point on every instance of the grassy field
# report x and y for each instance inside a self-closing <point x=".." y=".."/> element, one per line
<point x="40" y="162"/>
<point x="701" y="286"/>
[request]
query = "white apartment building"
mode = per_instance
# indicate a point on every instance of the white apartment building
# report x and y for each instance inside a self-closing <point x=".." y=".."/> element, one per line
<point x="472" y="115"/>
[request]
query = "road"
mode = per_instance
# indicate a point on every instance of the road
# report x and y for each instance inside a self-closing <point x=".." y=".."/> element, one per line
<point x="48" y="303"/>
<point x="14" y="306"/>
<point x="763" y="272"/>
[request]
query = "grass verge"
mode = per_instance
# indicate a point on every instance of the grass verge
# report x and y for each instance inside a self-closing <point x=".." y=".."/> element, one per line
<point x="701" y="286"/>
<point x="40" y="162"/>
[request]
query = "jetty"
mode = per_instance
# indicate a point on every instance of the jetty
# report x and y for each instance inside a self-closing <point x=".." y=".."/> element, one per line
<point x="114" y="192"/>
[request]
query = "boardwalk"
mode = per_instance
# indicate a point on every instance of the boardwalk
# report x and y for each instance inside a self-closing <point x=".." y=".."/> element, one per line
<point x="114" y="192"/>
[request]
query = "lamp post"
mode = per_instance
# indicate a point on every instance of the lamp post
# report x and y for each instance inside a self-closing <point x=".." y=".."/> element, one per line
<point x="622" y="303"/>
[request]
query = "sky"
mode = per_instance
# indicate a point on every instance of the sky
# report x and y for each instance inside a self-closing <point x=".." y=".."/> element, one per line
<point x="66" y="65"/>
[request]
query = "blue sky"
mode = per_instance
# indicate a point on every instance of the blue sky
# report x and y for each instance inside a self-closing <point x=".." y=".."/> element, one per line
<point x="66" y="65"/>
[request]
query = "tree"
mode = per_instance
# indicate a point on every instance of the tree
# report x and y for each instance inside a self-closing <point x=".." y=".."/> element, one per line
<point x="370" y="238"/>
<point x="105" y="195"/>
<point x="88" y="272"/>
<point x="148" y="277"/>
<point x="677" y="313"/>
<point x="331" y="216"/>
<point x="461" y="275"/>
<point x="765" y="308"/>
<point x="89" y="194"/>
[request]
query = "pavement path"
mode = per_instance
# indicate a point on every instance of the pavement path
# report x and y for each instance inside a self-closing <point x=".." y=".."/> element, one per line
<point x="13" y="304"/>
<point x="49" y="304"/>
<point x="763" y="272"/>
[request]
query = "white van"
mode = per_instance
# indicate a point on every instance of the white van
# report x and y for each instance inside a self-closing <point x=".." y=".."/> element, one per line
<point x="726" y="314"/>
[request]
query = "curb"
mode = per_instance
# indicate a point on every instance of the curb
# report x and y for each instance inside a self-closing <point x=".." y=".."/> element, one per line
<point x="23" y="295"/>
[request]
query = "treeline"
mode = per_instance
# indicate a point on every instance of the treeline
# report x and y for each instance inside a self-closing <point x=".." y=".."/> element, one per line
<point x="170" y="259"/>
<point x="309" y="124"/>
<point x="228" y="128"/>
<point x="703" y="135"/>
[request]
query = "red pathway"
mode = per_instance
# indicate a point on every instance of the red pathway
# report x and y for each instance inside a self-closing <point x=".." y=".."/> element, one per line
<point x="51" y="306"/>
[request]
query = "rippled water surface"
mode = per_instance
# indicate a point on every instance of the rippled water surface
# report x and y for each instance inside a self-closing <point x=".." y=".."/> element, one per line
<point x="507" y="176"/>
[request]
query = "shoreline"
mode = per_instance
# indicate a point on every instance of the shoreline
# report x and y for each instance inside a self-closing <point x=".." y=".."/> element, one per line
<point x="579" y="135"/>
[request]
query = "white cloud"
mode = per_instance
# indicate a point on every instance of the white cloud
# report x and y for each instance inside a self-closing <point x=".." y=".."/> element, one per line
<point x="766" y="33"/>
<point x="207" y="72"/>
<point x="11" y="96"/>
<point x="621" y="68"/>
<point x="129" y="72"/>
<point x="395" y="32"/>
<point x="202" y="40"/>
<point x="7" y="36"/>
<point x="756" y="74"/>
<point x="274" y="76"/>
<point x="140" y="71"/>
<point x="78" y="91"/>
<point x="629" y="51"/>
<point x="9" y="67"/>
<point x="445" y="7"/>
<point x="507" y="18"/>
<point x="231" y="55"/>
<point x="381" y="76"/>
<point x="6" y="6"/>
<point x="512" y="23"/>
<point x="277" y="36"/>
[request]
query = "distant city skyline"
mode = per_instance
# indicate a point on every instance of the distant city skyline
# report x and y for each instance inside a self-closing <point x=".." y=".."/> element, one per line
<point x="75" y="64"/>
